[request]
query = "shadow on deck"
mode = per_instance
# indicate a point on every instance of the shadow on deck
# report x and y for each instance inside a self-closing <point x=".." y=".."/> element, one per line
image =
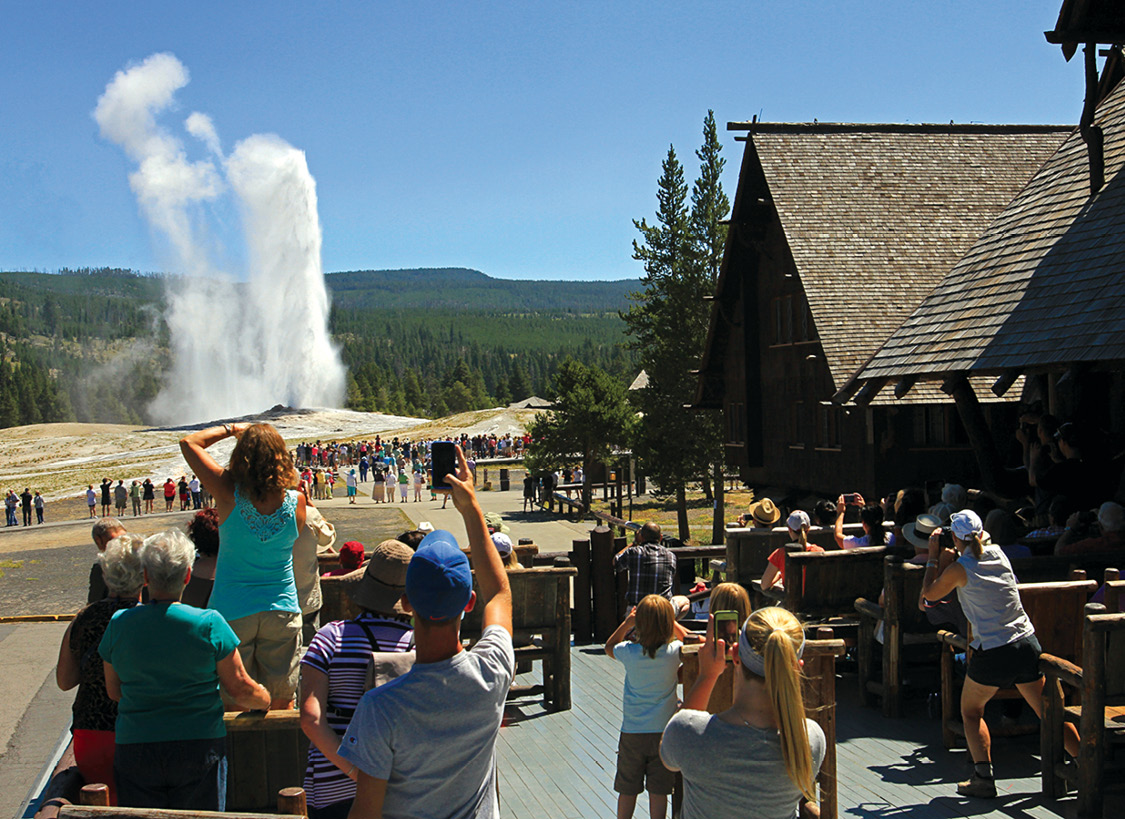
<point x="563" y="764"/>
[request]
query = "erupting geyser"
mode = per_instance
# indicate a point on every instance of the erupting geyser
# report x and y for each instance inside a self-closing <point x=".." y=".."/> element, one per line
<point x="237" y="347"/>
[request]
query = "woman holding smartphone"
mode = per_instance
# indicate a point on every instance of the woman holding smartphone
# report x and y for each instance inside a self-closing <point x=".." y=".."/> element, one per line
<point x="760" y="757"/>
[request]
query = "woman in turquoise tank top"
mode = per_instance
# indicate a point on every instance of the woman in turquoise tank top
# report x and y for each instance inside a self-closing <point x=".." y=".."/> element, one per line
<point x="260" y="515"/>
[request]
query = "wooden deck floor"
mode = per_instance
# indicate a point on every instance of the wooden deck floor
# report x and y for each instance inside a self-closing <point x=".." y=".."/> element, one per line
<point x="562" y="765"/>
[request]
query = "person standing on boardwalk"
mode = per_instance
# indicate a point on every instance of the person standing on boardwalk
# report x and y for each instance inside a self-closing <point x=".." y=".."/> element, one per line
<point x="260" y="516"/>
<point x="148" y="492"/>
<point x="107" y="493"/>
<point x="120" y="497"/>
<point x="760" y="757"/>
<point x="416" y="758"/>
<point x="104" y="531"/>
<point x="38" y="504"/>
<point x="650" y="569"/>
<point x="92" y="500"/>
<point x="652" y="665"/>
<point x="1005" y="649"/>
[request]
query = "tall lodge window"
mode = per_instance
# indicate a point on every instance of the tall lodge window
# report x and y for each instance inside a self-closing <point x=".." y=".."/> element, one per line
<point x="829" y="419"/>
<point x="736" y="423"/>
<point x="792" y="320"/>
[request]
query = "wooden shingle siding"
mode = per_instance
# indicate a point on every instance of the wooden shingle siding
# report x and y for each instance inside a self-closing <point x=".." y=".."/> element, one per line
<point x="1043" y="287"/>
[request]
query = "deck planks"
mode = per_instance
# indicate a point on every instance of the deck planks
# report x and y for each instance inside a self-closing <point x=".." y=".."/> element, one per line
<point x="562" y="764"/>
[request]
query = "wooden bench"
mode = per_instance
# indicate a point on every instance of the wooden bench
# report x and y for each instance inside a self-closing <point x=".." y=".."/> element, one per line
<point x="821" y="587"/>
<point x="541" y="624"/>
<point x="818" y="686"/>
<point x="748" y="549"/>
<point x="1055" y="610"/>
<point x="1059" y="567"/>
<point x="1100" y="718"/>
<point x="266" y="753"/>
<point x="903" y="625"/>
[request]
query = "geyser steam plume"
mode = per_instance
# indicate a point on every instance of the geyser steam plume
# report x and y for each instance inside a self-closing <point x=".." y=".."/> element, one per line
<point x="237" y="348"/>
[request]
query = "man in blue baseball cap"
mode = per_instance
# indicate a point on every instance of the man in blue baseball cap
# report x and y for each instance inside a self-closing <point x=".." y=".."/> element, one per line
<point x="423" y="745"/>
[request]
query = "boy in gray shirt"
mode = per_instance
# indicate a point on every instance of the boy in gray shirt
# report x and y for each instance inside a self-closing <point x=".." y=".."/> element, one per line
<point x="423" y="745"/>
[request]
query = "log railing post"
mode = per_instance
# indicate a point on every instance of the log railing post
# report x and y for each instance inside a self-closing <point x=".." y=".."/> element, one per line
<point x="94" y="794"/>
<point x="580" y="557"/>
<point x="292" y="801"/>
<point x="603" y="582"/>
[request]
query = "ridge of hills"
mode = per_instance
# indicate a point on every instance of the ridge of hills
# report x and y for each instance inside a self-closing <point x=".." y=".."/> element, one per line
<point x="422" y="342"/>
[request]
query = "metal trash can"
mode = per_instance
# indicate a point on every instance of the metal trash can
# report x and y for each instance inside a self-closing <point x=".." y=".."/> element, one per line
<point x="504" y="482"/>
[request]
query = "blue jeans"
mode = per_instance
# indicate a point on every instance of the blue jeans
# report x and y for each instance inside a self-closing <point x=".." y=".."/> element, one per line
<point x="172" y="774"/>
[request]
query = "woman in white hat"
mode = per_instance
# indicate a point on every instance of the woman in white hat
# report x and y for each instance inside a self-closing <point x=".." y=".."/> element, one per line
<point x="1005" y="649"/>
<point x="798" y="524"/>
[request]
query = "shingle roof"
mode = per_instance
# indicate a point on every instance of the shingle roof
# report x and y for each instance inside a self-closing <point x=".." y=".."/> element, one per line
<point x="875" y="215"/>
<point x="1044" y="286"/>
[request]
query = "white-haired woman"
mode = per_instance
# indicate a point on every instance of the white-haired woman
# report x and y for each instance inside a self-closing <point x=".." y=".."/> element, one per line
<point x="1005" y="649"/>
<point x="760" y="757"/>
<point x="171" y="741"/>
<point x="92" y="726"/>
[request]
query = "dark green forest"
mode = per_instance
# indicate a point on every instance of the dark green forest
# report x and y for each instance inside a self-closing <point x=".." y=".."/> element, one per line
<point x="91" y="345"/>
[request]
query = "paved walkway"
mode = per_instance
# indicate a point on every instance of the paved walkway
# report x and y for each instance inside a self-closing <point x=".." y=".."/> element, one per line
<point x="550" y="532"/>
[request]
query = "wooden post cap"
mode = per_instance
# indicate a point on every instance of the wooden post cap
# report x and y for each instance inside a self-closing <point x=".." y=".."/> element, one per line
<point x="94" y="794"/>
<point x="291" y="800"/>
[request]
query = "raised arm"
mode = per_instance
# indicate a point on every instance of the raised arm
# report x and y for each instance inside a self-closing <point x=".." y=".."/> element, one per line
<point x="211" y="475"/>
<point x="712" y="662"/>
<point x="840" y="507"/>
<point x="936" y="586"/>
<point x="492" y="580"/>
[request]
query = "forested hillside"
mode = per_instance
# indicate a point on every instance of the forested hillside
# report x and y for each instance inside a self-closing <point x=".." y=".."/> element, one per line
<point x="90" y="344"/>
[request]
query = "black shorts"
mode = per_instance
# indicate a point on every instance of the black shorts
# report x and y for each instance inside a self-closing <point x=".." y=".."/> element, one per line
<point x="1006" y="666"/>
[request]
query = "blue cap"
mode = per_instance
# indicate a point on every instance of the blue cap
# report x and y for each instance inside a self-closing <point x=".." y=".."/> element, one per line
<point x="439" y="581"/>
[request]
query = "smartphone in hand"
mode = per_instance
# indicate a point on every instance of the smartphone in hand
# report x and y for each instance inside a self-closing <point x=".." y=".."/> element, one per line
<point x="443" y="461"/>
<point x="726" y="627"/>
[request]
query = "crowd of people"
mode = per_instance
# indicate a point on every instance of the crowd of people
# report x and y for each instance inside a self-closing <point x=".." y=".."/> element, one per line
<point x="141" y="496"/>
<point x="237" y="593"/>
<point x="25" y="502"/>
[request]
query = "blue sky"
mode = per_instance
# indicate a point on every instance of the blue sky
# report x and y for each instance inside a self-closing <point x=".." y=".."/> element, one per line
<point x="520" y="139"/>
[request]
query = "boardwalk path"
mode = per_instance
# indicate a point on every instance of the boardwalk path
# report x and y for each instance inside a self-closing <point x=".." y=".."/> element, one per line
<point x="551" y="765"/>
<point x="562" y="764"/>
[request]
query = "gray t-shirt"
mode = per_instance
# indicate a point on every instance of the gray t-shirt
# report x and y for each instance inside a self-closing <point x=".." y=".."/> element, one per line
<point x="431" y="734"/>
<point x="733" y="771"/>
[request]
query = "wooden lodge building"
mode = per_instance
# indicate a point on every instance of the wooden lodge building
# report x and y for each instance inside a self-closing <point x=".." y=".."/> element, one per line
<point x="837" y="233"/>
<point x="1041" y="294"/>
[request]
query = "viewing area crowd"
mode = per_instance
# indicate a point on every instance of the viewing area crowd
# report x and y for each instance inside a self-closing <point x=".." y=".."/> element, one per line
<point x="393" y="706"/>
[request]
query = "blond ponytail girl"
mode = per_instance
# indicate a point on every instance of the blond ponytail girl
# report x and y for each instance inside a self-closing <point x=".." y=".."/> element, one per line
<point x="775" y="639"/>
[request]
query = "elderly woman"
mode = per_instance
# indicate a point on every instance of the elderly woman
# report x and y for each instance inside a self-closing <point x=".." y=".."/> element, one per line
<point x="79" y="664"/>
<point x="1005" y="649"/>
<point x="260" y="516"/>
<point x="171" y="741"/>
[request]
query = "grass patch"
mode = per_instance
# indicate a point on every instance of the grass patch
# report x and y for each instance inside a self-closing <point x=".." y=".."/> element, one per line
<point x="662" y="510"/>
<point x="11" y="564"/>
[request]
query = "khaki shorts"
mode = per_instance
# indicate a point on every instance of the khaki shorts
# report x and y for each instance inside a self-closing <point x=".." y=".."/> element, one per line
<point x="639" y="766"/>
<point x="270" y="646"/>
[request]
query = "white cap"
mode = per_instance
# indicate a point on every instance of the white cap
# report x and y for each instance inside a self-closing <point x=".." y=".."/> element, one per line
<point x="966" y="524"/>
<point x="797" y="520"/>
<point x="503" y="543"/>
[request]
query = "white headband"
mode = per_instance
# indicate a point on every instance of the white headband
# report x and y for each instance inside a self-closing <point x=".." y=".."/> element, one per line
<point x="751" y="659"/>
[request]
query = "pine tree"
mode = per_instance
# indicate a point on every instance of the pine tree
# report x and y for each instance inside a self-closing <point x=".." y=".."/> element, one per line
<point x="709" y="207"/>
<point x="591" y="417"/>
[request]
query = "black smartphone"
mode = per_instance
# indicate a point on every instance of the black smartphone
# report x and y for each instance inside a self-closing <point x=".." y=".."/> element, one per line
<point x="443" y="461"/>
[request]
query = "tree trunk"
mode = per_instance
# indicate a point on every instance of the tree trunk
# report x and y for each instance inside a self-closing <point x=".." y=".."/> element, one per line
<point x="718" y="521"/>
<point x="705" y="482"/>
<point x="681" y="513"/>
<point x="586" y="464"/>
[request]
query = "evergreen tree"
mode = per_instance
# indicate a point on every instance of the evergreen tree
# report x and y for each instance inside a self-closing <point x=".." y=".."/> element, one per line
<point x="591" y="418"/>
<point x="709" y="207"/>
<point x="667" y="325"/>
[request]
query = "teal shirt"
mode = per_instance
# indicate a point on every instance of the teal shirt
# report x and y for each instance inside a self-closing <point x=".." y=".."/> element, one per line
<point x="254" y="570"/>
<point x="165" y="655"/>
